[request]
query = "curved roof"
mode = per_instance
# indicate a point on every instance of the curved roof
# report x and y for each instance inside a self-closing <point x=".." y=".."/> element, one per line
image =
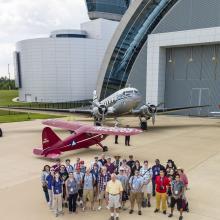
<point x="138" y="22"/>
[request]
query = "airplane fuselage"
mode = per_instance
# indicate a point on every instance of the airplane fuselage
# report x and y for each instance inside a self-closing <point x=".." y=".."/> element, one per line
<point x="123" y="101"/>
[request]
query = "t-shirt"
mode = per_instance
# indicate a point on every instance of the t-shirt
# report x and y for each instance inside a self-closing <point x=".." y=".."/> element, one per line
<point x="147" y="174"/>
<point x="88" y="181"/>
<point x="136" y="183"/>
<point x="114" y="187"/>
<point x="177" y="188"/>
<point x="161" y="184"/>
<point x="124" y="180"/>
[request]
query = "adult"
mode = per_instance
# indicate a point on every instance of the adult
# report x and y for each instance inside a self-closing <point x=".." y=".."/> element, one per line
<point x="69" y="167"/>
<point x="57" y="187"/>
<point x="110" y="166"/>
<point x="72" y="188"/>
<point x="136" y="183"/>
<point x="102" y="160"/>
<point x="126" y="168"/>
<point x="127" y="138"/>
<point x="77" y="164"/>
<point x="124" y="181"/>
<point x="183" y="177"/>
<point x="57" y="165"/>
<point x="137" y="166"/>
<point x="88" y="191"/>
<point x="44" y="174"/>
<point x="95" y="172"/>
<point x="162" y="183"/>
<point x="171" y="168"/>
<point x="82" y="167"/>
<point x="131" y="161"/>
<point x="97" y="162"/>
<point x="117" y="163"/>
<point x="64" y="176"/>
<point x="147" y="174"/>
<point x="103" y="179"/>
<point x="114" y="192"/>
<point x="156" y="172"/>
<point x="79" y="177"/>
<point x="49" y="180"/>
<point x="177" y="189"/>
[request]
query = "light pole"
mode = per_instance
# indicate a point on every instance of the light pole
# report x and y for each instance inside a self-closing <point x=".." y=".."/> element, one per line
<point x="9" y="86"/>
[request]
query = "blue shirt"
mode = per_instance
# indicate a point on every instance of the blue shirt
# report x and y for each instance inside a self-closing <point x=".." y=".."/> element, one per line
<point x="49" y="180"/>
<point x="88" y="181"/>
<point x="57" y="186"/>
<point x="136" y="183"/>
<point x="156" y="170"/>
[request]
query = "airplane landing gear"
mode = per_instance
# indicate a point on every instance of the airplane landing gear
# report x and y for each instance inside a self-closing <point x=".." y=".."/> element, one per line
<point x="143" y="124"/>
<point x="1" y="133"/>
<point x="105" y="148"/>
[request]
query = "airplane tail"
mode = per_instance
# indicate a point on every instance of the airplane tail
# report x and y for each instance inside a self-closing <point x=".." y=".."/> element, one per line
<point x="49" y="138"/>
<point x="95" y="98"/>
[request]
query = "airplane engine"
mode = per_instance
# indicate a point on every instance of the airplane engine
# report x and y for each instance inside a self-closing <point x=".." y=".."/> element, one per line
<point x="99" y="112"/>
<point x="148" y="111"/>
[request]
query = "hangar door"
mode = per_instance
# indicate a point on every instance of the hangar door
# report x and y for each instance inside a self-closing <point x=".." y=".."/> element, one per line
<point x="193" y="78"/>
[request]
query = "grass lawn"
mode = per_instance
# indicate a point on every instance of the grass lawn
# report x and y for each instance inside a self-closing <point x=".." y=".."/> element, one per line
<point x="6" y="97"/>
<point x="6" y="117"/>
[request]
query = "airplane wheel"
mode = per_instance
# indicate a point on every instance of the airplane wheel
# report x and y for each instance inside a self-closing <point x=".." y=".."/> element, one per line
<point x="143" y="125"/>
<point x="105" y="148"/>
<point x="1" y="133"/>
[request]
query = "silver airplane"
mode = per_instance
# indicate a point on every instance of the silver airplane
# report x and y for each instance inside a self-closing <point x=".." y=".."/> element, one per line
<point x="121" y="103"/>
<point x="125" y="102"/>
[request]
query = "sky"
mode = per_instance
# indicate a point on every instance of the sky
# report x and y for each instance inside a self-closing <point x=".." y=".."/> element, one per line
<point x="25" y="19"/>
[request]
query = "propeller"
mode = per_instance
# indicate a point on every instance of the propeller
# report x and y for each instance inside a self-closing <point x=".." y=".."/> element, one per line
<point x="153" y="111"/>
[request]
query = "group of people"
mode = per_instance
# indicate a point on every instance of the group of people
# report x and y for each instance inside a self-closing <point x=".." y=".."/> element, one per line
<point x="112" y="183"/>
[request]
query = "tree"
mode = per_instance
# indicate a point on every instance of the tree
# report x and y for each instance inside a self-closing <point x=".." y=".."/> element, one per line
<point x="5" y="84"/>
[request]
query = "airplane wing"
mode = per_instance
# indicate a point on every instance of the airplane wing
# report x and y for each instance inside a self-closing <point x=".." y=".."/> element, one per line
<point x="66" y="125"/>
<point x="168" y="110"/>
<point x="113" y="130"/>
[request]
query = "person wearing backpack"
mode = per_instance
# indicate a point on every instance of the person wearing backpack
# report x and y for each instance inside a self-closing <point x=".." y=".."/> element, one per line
<point x="88" y="189"/>
<point x="146" y="173"/>
<point x="136" y="183"/>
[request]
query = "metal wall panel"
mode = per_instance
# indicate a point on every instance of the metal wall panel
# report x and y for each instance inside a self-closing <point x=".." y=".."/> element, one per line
<point x="200" y="79"/>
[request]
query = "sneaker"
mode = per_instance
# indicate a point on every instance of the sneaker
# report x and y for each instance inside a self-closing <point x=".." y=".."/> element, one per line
<point x="131" y="211"/>
<point x="170" y="215"/>
<point x="139" y="213"/>
<point x="181" y="218"/>
<point x="156" y="210"/>
<point x="99" y="208"/>
<point x="164" y="212"/>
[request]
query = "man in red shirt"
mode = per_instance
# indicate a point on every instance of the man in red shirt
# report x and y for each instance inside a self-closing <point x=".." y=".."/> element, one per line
<point x="162" y="182"/>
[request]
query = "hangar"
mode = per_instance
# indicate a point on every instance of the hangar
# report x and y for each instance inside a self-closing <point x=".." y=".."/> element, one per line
<point x="169" y="50"/>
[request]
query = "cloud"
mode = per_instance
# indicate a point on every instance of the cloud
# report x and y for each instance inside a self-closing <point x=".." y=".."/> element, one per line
<point x="24" y="19"/>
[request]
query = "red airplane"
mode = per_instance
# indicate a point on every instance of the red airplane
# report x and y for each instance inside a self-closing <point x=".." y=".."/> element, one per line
<point x="83" y="136"/>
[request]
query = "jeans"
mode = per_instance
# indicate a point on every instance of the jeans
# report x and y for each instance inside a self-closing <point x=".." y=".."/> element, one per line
<point x="72" y="202"/>
<point x="46" y="195"/>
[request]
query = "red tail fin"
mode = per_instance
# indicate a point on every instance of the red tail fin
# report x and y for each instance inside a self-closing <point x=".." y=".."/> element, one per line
<point x="49" y="138"/>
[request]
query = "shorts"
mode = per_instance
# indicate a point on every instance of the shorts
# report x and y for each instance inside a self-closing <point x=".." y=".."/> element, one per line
<point x="114" y="201"/>
<point x="138" y="196"/>
<point x="101" y="195"/>
<point x="147" y="189"/>
<point x="179" y="203"/>
<point x="88" y="194"/>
